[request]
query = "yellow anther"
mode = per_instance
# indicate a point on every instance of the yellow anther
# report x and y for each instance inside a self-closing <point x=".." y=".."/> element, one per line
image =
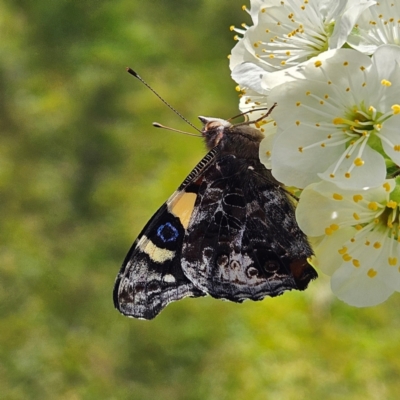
<point x="373" y="205"/>
<point x="357" y="198"/>
<point x="356" y="216"/>
<point x="358" y="162"/>
<point x="385" y="82"/>
<point x="386" y="185"/>
<point x="347" y="175"/>
<point x="330" y="229"/>
<point x="377" y="245"/>
<point x="334" y="227"/>
<point x="356" y="263"/>
<point x="347" y="257"/>
<point x="318" y="63"/>
<point x="392" y="261"/>
<point x="298" y="103"/>
<point x="297" y="123"/>
<point x="391" y="204"/>
<point x="371" y="273"/>
<point x="343" y="250"/>
<point x="338" y="121"/>
<point x="396" y="108"/>
<point x="337" y="196"/>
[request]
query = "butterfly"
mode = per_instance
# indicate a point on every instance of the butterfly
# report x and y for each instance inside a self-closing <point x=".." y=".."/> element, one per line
<point x="228" y="231"/>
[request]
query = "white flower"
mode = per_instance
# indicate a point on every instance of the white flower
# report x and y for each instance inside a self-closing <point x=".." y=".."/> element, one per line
<point x="287" y="33"/>
<point x="340" y="122"/>
<point x="361" y="247"/>
<point x="377" y="25"/>
<point x="253" y="104"/>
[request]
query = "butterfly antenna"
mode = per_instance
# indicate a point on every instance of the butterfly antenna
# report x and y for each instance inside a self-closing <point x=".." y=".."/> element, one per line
<point x="158" y="125"/>
<point x="133" y="73"/>
<point x="248" y="112"/>
<point x="258" y="119"/>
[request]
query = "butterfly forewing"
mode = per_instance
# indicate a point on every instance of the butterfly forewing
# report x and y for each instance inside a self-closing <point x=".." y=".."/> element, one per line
<point x="151" y="275"/>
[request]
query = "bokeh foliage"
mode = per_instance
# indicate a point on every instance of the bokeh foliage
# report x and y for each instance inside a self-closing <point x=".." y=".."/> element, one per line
<point x="81" y="170"/>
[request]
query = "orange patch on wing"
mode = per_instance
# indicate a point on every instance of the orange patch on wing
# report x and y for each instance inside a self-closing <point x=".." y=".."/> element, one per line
<point x="182" y="207"/>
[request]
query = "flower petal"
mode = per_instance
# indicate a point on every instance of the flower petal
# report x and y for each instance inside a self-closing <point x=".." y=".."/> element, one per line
<point x="363" y="285"/>
<point x="327" y="258"/>
<point x="345" y="24"/>
<point x="371" y="173"/>
<point x="249" y="75"/>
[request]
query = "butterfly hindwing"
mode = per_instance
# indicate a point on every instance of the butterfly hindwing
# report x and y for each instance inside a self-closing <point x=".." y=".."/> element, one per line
<point x="151" y="275"/>
<point x="243" y="241"/>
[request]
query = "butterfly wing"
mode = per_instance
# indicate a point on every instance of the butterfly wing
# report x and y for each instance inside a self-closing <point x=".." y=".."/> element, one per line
<point x="243" y="241"/>
<point x="151" y="276"/>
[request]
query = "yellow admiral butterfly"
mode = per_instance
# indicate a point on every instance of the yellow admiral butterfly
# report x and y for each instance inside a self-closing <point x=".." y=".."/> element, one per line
<point x="228" y="231"/>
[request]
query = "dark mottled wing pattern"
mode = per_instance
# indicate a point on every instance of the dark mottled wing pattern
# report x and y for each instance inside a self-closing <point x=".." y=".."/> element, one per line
<point x="151" y="275"/>
<point x="243" y="241"/>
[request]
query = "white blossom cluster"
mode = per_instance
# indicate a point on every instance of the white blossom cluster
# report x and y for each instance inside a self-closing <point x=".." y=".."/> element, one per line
<point x="333" y="68"/>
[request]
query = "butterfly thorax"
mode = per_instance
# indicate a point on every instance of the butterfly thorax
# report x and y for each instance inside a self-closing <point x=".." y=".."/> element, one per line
<point x="242" y="141"/>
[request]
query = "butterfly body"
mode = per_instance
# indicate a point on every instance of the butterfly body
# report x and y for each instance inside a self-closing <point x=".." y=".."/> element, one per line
<point x="228" y="231"/>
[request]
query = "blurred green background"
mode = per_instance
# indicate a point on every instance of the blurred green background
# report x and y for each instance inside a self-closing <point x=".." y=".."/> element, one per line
<point x="82" y="170"/>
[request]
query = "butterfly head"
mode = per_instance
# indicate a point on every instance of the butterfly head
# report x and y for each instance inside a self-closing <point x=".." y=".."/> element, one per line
<point x="213" y="130"/>
<point x="230" y="138"/>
